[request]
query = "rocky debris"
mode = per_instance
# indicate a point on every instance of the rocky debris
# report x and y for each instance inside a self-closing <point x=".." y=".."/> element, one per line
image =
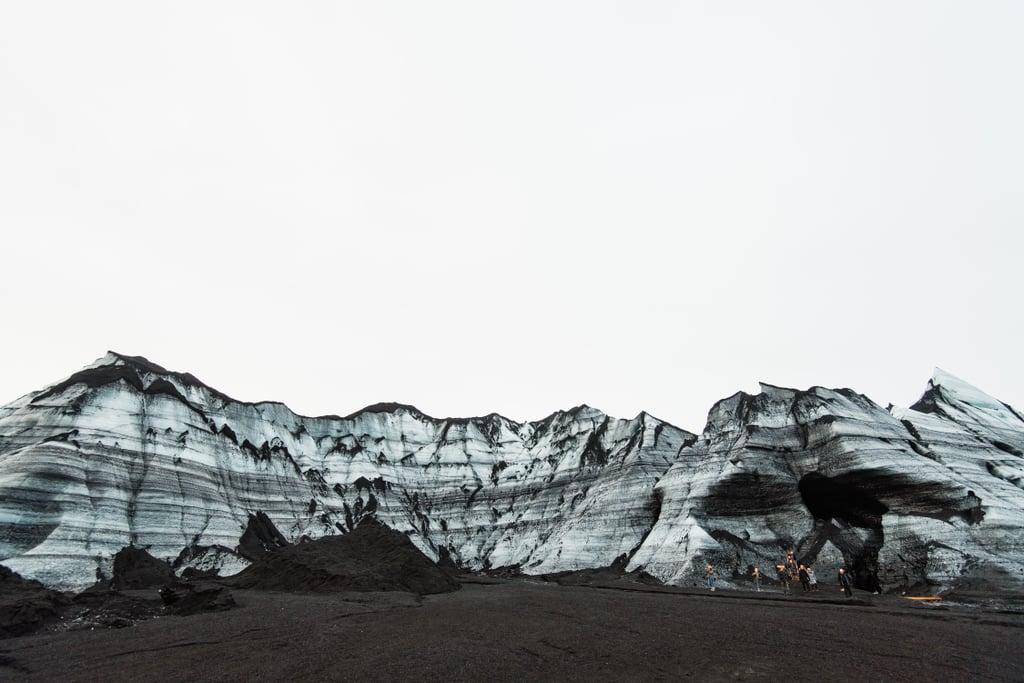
<point x="100" y="607"/>
<point x="184" y="599"/>
<point x="28" y="607"/>
<point x="193" y="574"/>
<point x="370" y="558"/>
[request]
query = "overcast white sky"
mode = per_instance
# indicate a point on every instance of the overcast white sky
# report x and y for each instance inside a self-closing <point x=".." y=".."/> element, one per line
<point x="515" y="207"/>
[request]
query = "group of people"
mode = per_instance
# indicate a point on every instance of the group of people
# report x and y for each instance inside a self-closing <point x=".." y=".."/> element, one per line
<point x="789" y="572"/>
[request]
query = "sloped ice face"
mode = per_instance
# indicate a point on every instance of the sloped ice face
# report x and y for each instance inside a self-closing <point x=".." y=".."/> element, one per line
<point x="903" y="498"/>
<point x="126" y="452"/>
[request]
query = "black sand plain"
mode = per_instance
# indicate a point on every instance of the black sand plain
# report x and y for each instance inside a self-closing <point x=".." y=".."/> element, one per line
<point x="368" y="606"/>
<point x="534" y="630"/>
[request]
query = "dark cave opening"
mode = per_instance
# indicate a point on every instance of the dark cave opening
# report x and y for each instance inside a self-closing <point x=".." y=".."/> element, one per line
<point x="833" y="499"/>
<point x="847" y="502"/>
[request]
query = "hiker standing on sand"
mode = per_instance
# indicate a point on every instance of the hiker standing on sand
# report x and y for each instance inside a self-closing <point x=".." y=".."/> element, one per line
<point x="783" y="577"/>
<point x="709" y="575"/>
<point x="757" y="579"/>
<point x="805" y="579"/>
<point x="845" y="583"/>
<point x="813" y="579"/>
<point x="791" y="565"/>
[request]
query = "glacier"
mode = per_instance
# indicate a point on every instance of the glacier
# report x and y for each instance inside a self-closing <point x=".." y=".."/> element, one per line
<point x="125" y="452"/>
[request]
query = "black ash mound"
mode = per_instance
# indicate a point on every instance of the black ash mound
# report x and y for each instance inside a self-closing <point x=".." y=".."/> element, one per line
<point x="25" y="605"/>
<point x="372" y="557"/>
<point x="185" y="599"/>
<point x="28" y="607"/>
<point x="136" y="568"/>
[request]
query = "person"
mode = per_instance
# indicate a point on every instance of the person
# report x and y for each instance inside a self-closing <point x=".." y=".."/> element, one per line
<point x="783" y="577"/>
<point x="813" y="579"/>
<point x="791" y="565"/>
<point x="709" y="574"/>
<point x="757" y="579"/>
<point x="845" y="584"/>
<point x="805" y="580"/>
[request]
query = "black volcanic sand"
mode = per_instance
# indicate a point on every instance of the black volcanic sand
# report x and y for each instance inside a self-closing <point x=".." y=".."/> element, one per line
<point x="370" y="558"/>
<point x="369" y="606"/>
<point x="528" y="629"/>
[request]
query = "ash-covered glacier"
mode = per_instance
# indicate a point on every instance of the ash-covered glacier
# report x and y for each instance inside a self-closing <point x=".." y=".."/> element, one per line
<point x="904" y="497"/>
<point x="125" y="452"/>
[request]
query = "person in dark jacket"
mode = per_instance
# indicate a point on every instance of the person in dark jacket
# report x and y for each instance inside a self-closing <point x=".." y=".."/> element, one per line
<point x="783" y="574"/>
<point x="845" y="583"/>
<point x="805" y="579"/>
<point x="757" y="579"/>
